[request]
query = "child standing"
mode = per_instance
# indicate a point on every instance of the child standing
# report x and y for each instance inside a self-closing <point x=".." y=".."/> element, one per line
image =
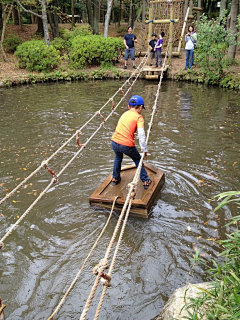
<point x="158" y="49"/>
<point x="152" y="44"/>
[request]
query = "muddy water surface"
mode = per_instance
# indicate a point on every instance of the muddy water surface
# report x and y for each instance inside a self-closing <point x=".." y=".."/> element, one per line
<point x="195" y="140"/>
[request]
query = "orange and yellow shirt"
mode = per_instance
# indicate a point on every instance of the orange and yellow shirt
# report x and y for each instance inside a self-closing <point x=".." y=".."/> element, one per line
<point x="127" y="125"/>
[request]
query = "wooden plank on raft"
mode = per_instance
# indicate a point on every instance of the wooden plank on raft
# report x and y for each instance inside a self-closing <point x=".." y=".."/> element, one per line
<point x="104" y="195"/>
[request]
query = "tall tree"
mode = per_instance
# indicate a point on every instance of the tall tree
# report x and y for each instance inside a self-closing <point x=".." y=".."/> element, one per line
<point x="107" y="17"/>
<point x="43" y="17"/>
<point x="6" y="13"/>
<point x="233" y="27"/>
<point x="73" y="12"/>
<point x="92" y="11"/>
<point x="53" y="18"/>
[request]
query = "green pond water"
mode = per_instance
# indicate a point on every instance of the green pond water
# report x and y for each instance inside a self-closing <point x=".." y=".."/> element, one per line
<point x="195" y="140"/>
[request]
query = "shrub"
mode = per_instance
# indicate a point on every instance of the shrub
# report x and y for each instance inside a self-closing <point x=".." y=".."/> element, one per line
<point x="12" y="42"/>
<point x="83" y="31"/>
<point x="213" y="43"/>
<point x="94" y="50"/>
<point x="35" y="55"/>
<point x="59" y="44"/>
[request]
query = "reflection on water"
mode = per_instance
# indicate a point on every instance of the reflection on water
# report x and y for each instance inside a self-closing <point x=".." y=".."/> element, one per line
<point x="195" y="140"/>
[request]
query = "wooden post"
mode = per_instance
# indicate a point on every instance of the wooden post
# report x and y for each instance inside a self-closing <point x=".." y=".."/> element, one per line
<point x="150" y="25"/>
<point x="170" y="36"/>
<point x="143" y="11"/>
<point x="183" y="30"/>
<point x="199" y="6"/>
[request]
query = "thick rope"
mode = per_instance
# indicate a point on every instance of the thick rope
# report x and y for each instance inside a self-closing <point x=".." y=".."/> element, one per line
<point x="94" y="288"/>
<point x="110" y="100"/>
<point x="113" y="262"/>
<point x="85" y="261"/>
<point x="128" y="200"/>
<point x="70" y="161"/>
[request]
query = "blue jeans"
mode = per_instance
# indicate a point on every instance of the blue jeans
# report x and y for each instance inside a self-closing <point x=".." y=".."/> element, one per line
<point x="131" y="152"/>
<point x="189" y="53"/>
<point x="132" y="53"/>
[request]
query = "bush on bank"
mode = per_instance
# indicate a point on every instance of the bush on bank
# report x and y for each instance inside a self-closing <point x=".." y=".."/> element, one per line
<point x="77" y="49"/>
<point x="35" y="55"/>
<point x="94" y="50"/>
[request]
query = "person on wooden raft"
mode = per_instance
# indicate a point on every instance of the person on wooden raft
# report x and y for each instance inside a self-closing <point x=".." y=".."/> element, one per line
<point x="123" y="139"/>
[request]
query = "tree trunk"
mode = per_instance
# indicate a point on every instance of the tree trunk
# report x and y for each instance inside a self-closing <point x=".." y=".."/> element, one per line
<point x="15" y="16"/>
<point x="73" y="12"/>
<point x="1" y="20"/>
<point x="233" y="27"/>
<point x="223" y="7"/>
<point x="53" y="19"/>
<point x="33" y="20"/>
<point x="45" y="22"/>
<point x="107" y="17"/>
<point x="83" y="15"/>
<point x="89" y="12"/>
<point x="40" y="27"/>
<point x="95" y="17"/>
<point x="5" y="18"/>
<point x="130" y="14"/>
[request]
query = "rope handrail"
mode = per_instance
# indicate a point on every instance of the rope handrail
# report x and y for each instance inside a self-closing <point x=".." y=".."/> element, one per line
<point x="135" y="73"/>
<point x="128" y="201"/>
<point x="69" y="162"/>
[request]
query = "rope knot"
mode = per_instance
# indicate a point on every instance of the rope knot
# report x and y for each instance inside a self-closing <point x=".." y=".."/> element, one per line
<point x="1" y="245"/>
<point x="100" y="267"/>
<point x="106" y="280"/>
<point x="78" y="132"/>
<point x="132" y="184"/>
<point x="44" y="164"/>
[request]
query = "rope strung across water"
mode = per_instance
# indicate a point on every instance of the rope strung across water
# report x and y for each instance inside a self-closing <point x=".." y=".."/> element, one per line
<point x="71" y="160"/>
<point x="85" y="261"/>
<point x="103" y="266"/>
<point x="129" y="199"/>
<point x="110" y="100"/>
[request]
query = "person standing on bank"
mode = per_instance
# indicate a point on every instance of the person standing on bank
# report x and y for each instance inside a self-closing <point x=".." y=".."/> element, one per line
<point x="152" y="44"/>
<point x="123" y="139"/>
<point x="158" y="49"/>
<point x="129" y="40"/>
<point x="191" y="42"/>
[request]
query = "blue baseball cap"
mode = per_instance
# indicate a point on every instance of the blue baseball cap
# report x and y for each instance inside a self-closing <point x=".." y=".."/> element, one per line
<point x="136" y="101"/>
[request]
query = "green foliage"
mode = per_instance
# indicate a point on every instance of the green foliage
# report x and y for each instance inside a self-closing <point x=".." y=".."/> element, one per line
<point x="94" y="50"/>
<point x="213" y="43"/>
<point x="121" y="31"/>
<point x="12" y="42"/>
<point x="222" y="299"/>
<point x="60" y="45"/>
<point x="35" y="55"/>
<point x="82" y="31"/>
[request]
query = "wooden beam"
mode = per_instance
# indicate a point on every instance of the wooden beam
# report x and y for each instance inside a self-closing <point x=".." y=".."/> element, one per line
<point x="163" y="21"/>
<point x="183" y="30"/>
<point x="197" y="9"/>
<point x="150" y="27"/>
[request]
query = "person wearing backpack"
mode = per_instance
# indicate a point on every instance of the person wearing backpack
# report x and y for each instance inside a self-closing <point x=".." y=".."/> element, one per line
<point x="191" y="44"/>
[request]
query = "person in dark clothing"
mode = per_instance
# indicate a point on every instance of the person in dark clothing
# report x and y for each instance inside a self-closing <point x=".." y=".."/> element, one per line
<point x="129" y="40"/>
<point x="152" y="44"/>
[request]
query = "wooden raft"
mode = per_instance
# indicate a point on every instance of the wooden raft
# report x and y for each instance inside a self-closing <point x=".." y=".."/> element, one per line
<point x="104" y="195"/>
<point x="152" y="72"/>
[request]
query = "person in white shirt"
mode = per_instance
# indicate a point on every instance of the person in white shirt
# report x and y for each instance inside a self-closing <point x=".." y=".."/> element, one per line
<point x="191" y="41"/>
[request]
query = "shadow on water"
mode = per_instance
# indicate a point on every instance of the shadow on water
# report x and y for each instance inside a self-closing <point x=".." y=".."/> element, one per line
<point x="195" y="140"/>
